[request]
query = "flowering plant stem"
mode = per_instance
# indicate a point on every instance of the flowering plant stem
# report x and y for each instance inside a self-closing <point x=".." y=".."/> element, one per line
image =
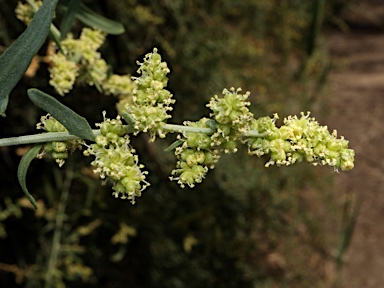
<point x="65" y="136"/>
<point x="41" y="138"/>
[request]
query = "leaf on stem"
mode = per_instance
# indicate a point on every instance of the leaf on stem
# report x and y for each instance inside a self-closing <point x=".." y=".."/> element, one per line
<point x="69" y="17"/>
<point x="55" y="37"/>
<point x="211" y="124"/>
<point x="128" y="118"/>
<point x="94" y="81"/>
<point x="92" y="19"/>
<point x="75" y="124"/>
<point x="23" y="168"/>
<point x="16" y="59"/>
<point x="175" y="144"/>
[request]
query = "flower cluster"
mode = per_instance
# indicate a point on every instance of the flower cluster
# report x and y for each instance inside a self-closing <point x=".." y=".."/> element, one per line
<point x="25" y="13"/>
<point x="115" y="160"/>
<point x="58" y="149"/>
<point x="144" y="104"/>
<point x="63" y="73"/>
<point x="232" y="122"/>
<point x="231" y="117"/>
<point x="195" y="156"/>
<point x="79" y="58"/>
<point x="200" y="150"/>
<point x="298" y="139"/>
<point x="119" y="85"/>
<point x="151" y="101"/>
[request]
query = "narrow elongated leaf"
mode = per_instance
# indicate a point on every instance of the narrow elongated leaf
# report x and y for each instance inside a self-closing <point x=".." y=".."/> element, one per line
<point x="95" y="20"/>
<point x="75" y="124"/>
<point x="211" y="124"/>
<point x="128" y="118"/>
<point x="91" y="18"/>
<point x="16" y="59"/>
<point x="23" y="168"/>
<point x="69" y="17"/>
<point x="55" y="37"/>
<point x="175" y="144"/>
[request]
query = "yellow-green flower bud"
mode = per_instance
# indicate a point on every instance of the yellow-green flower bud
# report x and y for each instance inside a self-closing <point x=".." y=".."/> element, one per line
<point x="347" y="159"/>
<point x="59" y="147"/>
<point x="192" y="175"/>
<point x="101" y="140"/>
<point x="198" y="140"/>
<point x="59" y="155"/>
<point x="186" y="153"/>
<point x="278" y="156"/>
<point x="209" y="159"/>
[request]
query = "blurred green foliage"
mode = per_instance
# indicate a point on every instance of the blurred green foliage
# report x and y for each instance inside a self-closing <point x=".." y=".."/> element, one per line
<point x="245" y="226"/>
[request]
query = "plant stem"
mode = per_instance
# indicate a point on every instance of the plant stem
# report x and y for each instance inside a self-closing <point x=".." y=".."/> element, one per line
<point x="65" y="136"/>
<point x="209" y="131"/>
<point x="59" y="222"/>
<point x="181" y="128"/>
<point x="41" y="138"/>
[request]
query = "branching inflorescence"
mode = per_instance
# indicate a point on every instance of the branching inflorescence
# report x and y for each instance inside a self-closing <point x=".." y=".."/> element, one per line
<point x="115" y="160"/>
<point x="145" y="103"/>
<point x="151" y="102"/>
<point x="298" y="139"/>
<point x="79" y="59"/>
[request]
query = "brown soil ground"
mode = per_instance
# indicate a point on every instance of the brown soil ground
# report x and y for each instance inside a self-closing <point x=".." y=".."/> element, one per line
<point x="357" y="100"/>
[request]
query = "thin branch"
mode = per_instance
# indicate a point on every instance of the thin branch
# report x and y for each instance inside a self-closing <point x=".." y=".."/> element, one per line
<point x="41" y="138"/>
<point x="60" y="218"/>
<point x="65" y="136"/>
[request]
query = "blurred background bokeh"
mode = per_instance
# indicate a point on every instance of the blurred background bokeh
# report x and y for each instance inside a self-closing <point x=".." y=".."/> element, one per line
<point x="245" y="225"/>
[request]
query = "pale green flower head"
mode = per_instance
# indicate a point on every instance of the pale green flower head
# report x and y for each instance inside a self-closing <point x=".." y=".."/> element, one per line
<point x="119" y="85"/>
<point x="189" y="175"/>
<point x="149" y="119"/>
<point x="195" y="156"/>
<point x="63" y="74"/>
<point x="232" y="108"/>
<point x="151" y="101"/>
<point x="198" y="140"/>
<point x="92" y="39"/>
<point x="79" y="60"/>
<point x="84" y="49"/>
<point x="116" y="161"/>
<point x="232" y="118"/>
<point x="298" y="139"/>
<point x="24" y="12"/>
